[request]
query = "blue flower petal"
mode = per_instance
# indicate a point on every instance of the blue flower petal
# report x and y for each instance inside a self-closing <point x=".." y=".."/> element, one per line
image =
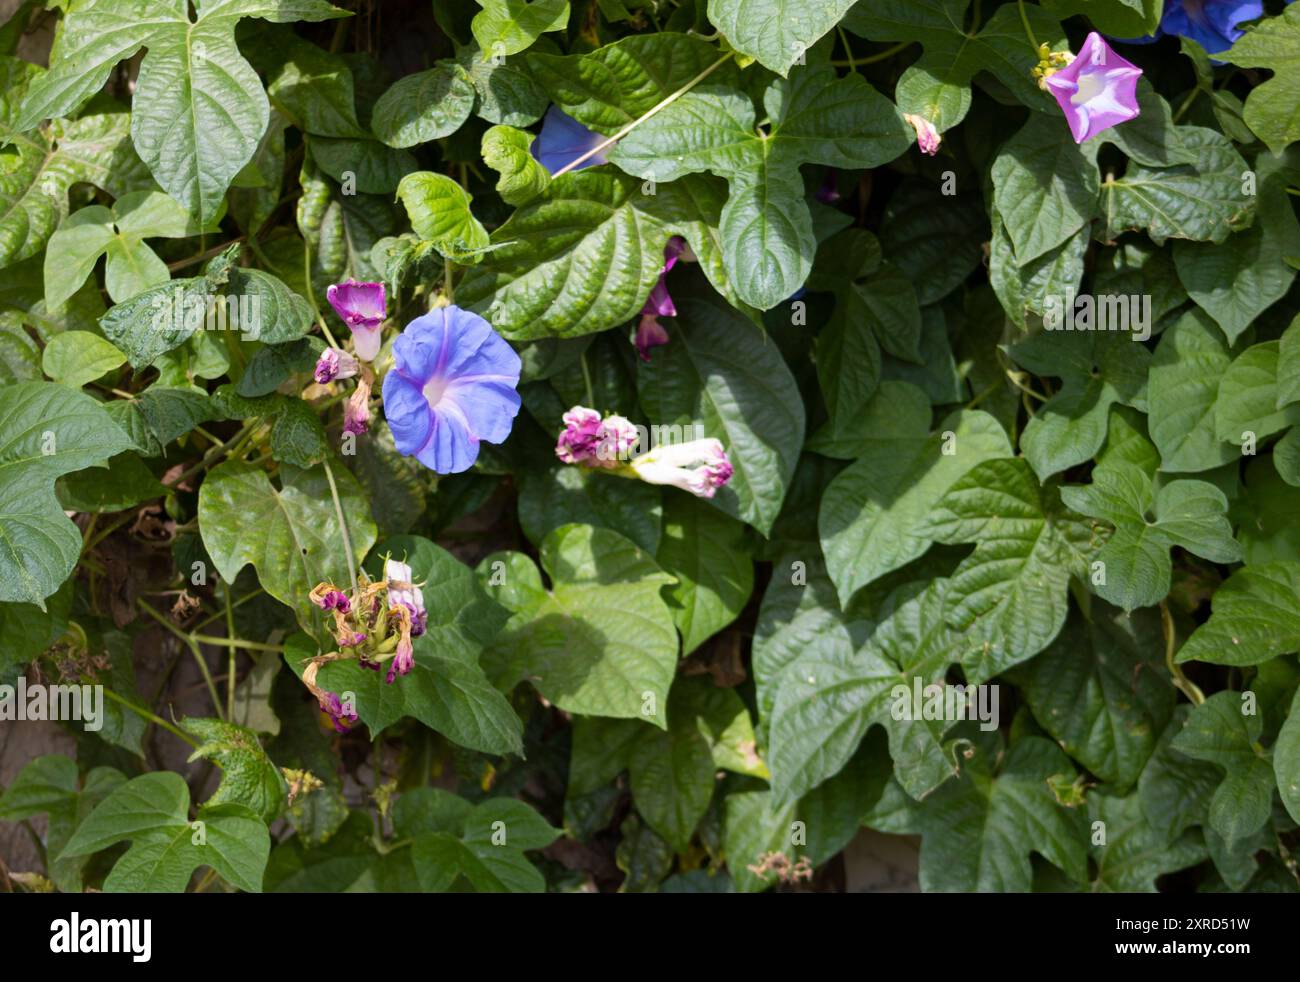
<point x="451" y="449"/>
<point x="563" y="140"/>
<point x="488" y="407"/>
<point x="407" y="412"/>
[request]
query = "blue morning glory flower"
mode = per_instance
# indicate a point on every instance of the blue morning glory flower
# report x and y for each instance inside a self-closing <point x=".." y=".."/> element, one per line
<point x="1210" y="23"/>
<point x="453" y="386"/>
<point x="563" y="140"/>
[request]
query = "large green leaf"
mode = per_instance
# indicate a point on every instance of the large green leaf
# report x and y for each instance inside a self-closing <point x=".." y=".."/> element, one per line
<point x="46" y="431"/>
<point x="776" y="32"/>
<point x="828" y="696"/>
<point x="1235" y="281"/>
<point x="425" y="106"/>
<point x="198" y="111"/>
<point x="585" y="255"/>
<point x="1147" y="524"/>
<point x="1249" y="406"/>
<point x="872" y="515"/>
<point x="1273" y="107"/>
<point x="36" y="177"/>
<point x="1183" y="386"/>
<point x="77" y="357"/>
<point x="1097" y="370"/>
<point x="765" y="226"/>
<point x="954" y="56"/>
<point x="485" y="843"/>
<point x="249" y="778"/>
<point x="978" y="830"/>
<point x="440" y="213"/>
<point x="1255" y="617"/>
<point x="1099" y="689"/>
<point x="617" y="83"/>
<point x="706" y="551"/>
<point x="601" y="640"/>
<point x="152" y="811"/>
<point x="1133" y="853"/>
<point x="565" y="495"/>
<point x="1045" y="188"/>
<point x="1220" y="732"/>
<point x="291" y="535"/>
<point x="1286" y="760"/>
<point x="118" y="233"/>
<point x="671" y="776"/>
<point x="1204" y="201"/>
<point x="506" y="151"/>
<point x="50" y="786"/>
<point x="1009" y="596"/>
<point x="506" y="27"/>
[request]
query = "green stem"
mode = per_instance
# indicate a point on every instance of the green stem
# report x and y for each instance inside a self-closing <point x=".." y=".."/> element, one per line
<point x="1186" y="104"/>
<point x="311" y="294"/>
<point x="1181" y="682"/>
<point x="888" y="53"/>
<point x="1024" y="19"/>
<point x="194" y="650"/>
<point x="848" y="52"/>
<point x="234" y="651"/>
<point x="234" y="643"/>
<point x="213" y="452"/>
<point x="150" y="717"/>
<point x="586" y="378"/>
<point x="343" y="526"/>
<point x="662" y="104"/>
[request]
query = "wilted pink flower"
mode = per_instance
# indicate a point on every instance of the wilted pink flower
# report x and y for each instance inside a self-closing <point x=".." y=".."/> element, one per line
<point x="616" y="439"/>
<point x="594" y="442"/>
<point x="581" y="435"/>
<point x="335" y="600"/>
<point x="334" y="363"/>
<point x="650" y="332"/>
<point x="927" y="137"/>
<point x="341" y="714"/>
<point x="403" y="660"/>
<point x="363" y="307"/>
<point x="401" y="590"/>
<point x="697" y="466"/>
<point x="356" y="411"/>
<point x="1097" y="90"/>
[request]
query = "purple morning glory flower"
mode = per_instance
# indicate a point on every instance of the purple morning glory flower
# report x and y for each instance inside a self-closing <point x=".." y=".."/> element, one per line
<point x="1097" y="90"/>
<point x="563" y="140"/>
<point x="453" y="386"/>
<point x="362" y="307"/>
<point x="650" y="333"/>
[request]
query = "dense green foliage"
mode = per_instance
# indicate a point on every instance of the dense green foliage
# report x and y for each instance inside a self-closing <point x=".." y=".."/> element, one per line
<point x="941" y="479"/>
